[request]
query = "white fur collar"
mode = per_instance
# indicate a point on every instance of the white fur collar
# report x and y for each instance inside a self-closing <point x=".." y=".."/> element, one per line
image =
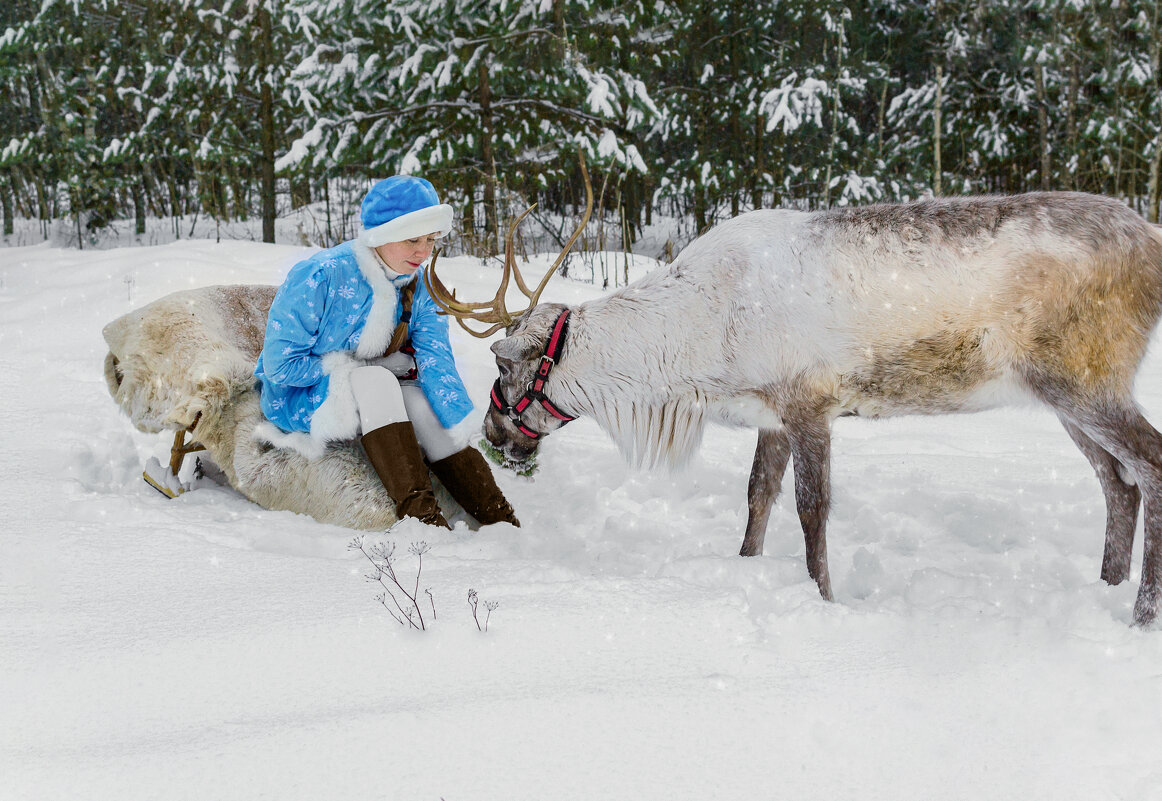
<point x="380" y="323"/>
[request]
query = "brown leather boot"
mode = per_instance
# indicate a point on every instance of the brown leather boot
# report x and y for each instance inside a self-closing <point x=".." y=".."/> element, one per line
<point x="396" y="457"/>
<point x="467" y="476"/>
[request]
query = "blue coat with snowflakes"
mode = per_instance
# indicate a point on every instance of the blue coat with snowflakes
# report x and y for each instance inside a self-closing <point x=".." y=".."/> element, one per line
<point x="334" y="312"/>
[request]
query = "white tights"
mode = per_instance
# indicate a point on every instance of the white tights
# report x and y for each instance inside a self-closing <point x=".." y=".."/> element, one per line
<point x="382" y="399"/>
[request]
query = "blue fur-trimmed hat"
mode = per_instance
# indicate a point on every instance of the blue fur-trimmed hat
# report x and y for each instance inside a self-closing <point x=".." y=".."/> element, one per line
<point x="403" y="207"/>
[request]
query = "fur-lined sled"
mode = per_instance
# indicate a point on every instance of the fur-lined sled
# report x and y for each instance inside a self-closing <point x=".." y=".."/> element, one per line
<point x="185" y="363"/>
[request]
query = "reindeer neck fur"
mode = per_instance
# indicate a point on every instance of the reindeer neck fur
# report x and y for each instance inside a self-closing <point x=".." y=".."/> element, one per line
<point x="627" y="365"/>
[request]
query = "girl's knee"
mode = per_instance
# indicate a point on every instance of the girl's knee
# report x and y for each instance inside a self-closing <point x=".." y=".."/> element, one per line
<point x="372" y="377"/>
<point x="378" y="397"/>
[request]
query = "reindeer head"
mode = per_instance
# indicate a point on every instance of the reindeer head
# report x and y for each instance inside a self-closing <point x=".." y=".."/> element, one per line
<point x="519" y="414"/>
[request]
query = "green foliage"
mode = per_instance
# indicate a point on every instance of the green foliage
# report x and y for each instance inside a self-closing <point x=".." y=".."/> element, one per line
<point x="699" y="108"/>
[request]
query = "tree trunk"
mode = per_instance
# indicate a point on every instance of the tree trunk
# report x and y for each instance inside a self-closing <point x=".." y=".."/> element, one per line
<point x="327" y="207"/>
<point x="6" y="197"/>
<point x="559" y="47"/>
<point x="1071" y="120"/>
<point x="301" y="190"/>
<point x="756" y="180"/>
<point x="1155" y="168"/>
<point x="238" y="199"/>
<point x="699" y="210"/>
<point x="937" y="124"/>
<point x="834" y="118"/>
<point x="491" y="225"/>
<point x="20" y="197"/>
<point x="1042" y="124"/>
<point x="174" y="206"/>
<point x="880" y="112"/>
<point x="1154" y="189"/>
<point x="266" y="160"/>
<point x="42" y="207"/>
<point x="139" y="206"/>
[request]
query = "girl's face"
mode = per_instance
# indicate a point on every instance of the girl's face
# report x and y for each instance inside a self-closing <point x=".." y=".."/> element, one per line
<point x="406" y="257"/>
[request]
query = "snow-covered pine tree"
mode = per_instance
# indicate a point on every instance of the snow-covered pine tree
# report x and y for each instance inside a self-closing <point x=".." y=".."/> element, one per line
<point x="236" y="57"/>
<point x="68" y="46"/>
<point x="712" y="142"/>
<point x="20" y="109"/>
<point x="487" y="99"/>
<point x="816" y="109"/>
<point x="929" y="73"/>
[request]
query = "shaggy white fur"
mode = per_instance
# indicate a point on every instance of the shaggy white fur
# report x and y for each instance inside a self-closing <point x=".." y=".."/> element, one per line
<point x="192" y="353"/>
<point x="376" y="334"/>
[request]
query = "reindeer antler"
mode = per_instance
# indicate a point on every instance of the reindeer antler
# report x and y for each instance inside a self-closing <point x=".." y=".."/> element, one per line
<point x="494" y="311"/>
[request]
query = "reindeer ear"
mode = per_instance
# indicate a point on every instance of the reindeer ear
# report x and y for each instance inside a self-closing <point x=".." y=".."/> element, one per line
<point x="514" y="348"/>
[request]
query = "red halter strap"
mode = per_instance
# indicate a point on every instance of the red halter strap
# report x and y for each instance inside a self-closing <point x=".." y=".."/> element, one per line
<point x="536" y="388"/>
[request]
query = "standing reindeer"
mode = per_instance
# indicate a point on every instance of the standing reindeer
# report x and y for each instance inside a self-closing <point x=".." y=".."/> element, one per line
<point x="785" y="320"/>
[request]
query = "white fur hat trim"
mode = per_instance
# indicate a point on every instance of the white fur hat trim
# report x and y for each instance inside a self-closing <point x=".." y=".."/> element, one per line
<point x="431" y="220"/>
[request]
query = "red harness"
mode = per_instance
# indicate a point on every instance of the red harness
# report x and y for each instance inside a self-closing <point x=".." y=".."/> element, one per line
<point x="536" y="387"/>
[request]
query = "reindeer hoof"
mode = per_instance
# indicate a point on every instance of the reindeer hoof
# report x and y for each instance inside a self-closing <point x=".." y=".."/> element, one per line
<point x="1146" y="607"/>
<point x="825" y="589"/>
<point x="1114" y="575"/>
<point x="162" y="479"/>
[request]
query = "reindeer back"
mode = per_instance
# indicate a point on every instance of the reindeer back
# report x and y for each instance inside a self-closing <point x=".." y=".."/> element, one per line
<point x="188" y="353"/>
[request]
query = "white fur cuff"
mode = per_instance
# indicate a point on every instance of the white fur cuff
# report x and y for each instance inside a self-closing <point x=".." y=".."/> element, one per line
<point x="338" y="417"/>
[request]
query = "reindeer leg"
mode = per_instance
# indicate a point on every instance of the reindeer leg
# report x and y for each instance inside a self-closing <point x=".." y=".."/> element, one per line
<point x="766" y="478"/>
<point x="1119" y="428"/>
<point x="1122" y="502"/>
<point x="810" y="441"/>
<point x="1126" y="434"/>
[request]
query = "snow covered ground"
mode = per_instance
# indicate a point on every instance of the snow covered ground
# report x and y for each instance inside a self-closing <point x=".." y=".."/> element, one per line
<point x="204" y="648"/>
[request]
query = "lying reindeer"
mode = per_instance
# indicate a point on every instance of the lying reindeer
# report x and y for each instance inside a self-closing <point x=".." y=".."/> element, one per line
<point x="185" y="363"/>
<point x="785" y="320"/>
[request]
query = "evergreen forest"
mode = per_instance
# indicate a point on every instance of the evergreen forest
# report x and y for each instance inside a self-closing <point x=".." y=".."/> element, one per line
<point x="698" y="110"/>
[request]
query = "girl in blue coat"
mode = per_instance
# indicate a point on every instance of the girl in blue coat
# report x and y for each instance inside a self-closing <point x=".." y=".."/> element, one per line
<point x="354" y="346"/>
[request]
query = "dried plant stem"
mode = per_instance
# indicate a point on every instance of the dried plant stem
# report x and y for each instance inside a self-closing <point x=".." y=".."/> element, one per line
<point x="381" y="558"/>
<point x="472" y="601"/>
